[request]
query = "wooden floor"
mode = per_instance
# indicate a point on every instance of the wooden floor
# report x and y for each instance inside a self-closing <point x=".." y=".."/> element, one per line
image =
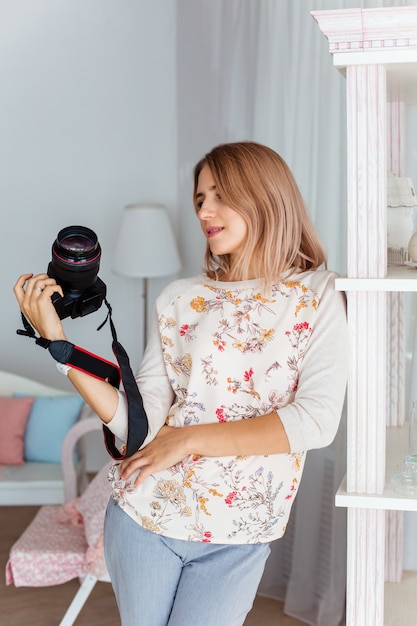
<point x="26" y="606"/>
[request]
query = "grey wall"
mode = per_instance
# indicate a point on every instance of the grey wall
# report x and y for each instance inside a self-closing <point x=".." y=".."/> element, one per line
<point x="87" y="125"/>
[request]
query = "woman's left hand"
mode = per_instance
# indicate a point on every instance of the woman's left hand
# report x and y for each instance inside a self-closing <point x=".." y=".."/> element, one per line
<point x="168" y="448"/>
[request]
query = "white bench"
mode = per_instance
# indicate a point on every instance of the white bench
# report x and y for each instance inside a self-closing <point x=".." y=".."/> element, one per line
<point x="38" y="483"/>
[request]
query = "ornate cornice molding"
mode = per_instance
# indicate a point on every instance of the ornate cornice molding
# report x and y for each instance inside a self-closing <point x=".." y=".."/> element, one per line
<point x="366" y="30"/>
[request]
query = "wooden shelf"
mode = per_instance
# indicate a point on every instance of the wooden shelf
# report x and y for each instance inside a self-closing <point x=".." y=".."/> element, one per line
<point x="397" y="279"/>
<point x="397" y="442"/>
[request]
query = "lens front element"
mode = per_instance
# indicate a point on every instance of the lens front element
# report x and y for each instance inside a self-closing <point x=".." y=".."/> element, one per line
<point x="76" y="244"/>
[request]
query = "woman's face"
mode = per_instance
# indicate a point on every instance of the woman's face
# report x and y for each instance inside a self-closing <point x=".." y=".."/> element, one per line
<point x="224" y="228"/>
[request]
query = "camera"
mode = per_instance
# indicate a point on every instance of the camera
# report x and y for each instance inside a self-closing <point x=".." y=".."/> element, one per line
<point x="75" y="263"/>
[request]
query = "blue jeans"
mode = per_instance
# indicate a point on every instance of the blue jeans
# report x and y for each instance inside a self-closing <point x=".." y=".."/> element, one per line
<point x="160" y="581"/>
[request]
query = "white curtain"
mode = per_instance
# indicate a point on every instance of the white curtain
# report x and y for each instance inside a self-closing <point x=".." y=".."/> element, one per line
<point x="261" y="70"/>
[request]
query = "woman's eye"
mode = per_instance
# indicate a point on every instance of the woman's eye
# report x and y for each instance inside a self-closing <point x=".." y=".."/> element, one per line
<point x="198" y="205"/>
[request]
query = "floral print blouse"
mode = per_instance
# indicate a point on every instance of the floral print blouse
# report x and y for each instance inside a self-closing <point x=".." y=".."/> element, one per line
<point x="221" y="352"/>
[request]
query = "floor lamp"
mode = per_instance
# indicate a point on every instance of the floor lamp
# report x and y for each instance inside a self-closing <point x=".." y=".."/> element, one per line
<point x="146" y="248"/>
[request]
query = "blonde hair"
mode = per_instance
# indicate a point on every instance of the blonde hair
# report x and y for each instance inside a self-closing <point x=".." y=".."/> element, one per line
<point x="257" y="183"/>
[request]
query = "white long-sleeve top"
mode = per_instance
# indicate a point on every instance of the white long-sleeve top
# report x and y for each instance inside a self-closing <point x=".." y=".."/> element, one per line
<point x="222" y="351"/>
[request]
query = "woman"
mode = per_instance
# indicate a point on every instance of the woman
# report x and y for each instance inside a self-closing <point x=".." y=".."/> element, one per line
<point x="245" y="370"/>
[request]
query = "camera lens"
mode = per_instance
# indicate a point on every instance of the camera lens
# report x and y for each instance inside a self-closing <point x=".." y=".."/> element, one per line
<point x="75" y="263"/>
<point x="76" y="256"/>
<point x="76" y="244"/>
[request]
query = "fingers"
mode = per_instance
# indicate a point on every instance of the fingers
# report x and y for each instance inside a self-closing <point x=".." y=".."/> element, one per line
<point x="33" y="293"/>
<point x="134" y="462"/>
<point x="46" y="287"/>
<point x="140" y="462"/>
<point x="28" y="286"/>
<point x="42" y="282"/>
<point x="164" y="451"/>
<point x="19" y="288"/>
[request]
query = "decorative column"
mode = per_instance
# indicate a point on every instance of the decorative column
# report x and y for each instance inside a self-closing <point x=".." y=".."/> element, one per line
<point x="396" y="374"/>
<point x="367" y="313"/>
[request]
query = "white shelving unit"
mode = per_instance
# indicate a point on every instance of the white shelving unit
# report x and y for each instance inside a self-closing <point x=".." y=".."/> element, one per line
<point x="397" y="279"/>
<point x="376" y="49"/>
<point x="397" y="439"/>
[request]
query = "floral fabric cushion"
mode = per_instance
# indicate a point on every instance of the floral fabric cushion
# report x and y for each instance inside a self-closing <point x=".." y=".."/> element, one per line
<point x="88" y="512"/>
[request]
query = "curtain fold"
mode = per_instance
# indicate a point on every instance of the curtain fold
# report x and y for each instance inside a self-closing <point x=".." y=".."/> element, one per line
<point x="261" y="71"/>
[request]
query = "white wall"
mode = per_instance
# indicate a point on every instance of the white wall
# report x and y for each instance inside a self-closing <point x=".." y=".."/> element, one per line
<point x="87" y="125"/>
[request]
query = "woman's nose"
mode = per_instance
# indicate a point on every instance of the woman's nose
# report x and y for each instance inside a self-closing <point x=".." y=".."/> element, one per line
<point x="206" y="210"/>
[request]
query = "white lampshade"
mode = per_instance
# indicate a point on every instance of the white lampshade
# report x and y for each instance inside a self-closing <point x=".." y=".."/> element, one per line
<point x="145" y="246"/>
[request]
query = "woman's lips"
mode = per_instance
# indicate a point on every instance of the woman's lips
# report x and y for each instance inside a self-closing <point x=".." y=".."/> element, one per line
<point x="214" y="230"/>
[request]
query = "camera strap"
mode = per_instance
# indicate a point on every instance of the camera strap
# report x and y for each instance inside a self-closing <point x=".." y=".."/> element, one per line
<point x="78" y="358"/>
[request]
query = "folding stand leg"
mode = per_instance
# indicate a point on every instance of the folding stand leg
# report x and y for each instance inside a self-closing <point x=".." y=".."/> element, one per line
<point x="78" y="600"/>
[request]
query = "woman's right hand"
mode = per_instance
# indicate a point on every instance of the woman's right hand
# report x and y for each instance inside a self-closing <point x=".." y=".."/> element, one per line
<point x="33" y="293"/>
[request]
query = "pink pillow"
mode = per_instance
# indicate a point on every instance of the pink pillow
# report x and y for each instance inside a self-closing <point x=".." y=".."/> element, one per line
<point x="14" y="415"/>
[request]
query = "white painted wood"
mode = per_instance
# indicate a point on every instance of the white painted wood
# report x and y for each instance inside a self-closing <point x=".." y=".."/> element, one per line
<point x="367" y="257"/>
<point x="388" y="500"/>
<point x="380" y="57"/>
<point x="396" y="367"/>
<point x="396" y="137"/>
<point x="397" y="279"/>
<point x="396" y="375"/>
<point x="394" y="543"/>
<point x="397" y="445"/>
<point x="366" y="392"/>
<point x="31" y="484"/>
<point x="377" y="50"/>
<point x="365" y="575"/>
<point x="79" y="600"/>
<point x="353" y="31"/>
<point x="366" y="163"/>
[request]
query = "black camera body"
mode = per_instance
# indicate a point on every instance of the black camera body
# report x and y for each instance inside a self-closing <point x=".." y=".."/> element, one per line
<point x="75" y="263"/>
